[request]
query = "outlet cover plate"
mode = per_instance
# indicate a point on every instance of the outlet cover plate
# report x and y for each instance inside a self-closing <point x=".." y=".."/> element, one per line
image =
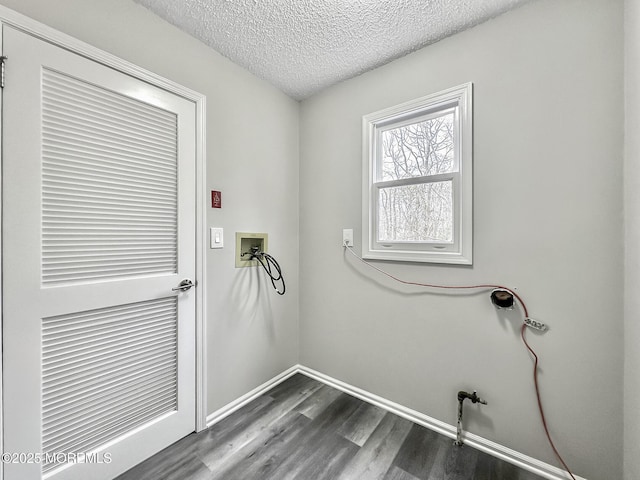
<point x="347" y="237"/>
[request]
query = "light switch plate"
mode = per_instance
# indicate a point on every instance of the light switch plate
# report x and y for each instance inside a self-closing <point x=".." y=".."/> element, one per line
<point x="216" y="237"/>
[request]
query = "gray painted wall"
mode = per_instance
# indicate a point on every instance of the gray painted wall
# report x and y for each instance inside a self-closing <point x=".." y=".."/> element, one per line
<point x="252" y="157"/>
<point x="548" y="105"/>
<point x="548" y="221"/>
<point x="632" y="241"/>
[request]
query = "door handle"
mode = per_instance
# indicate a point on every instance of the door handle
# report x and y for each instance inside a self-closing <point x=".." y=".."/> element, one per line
<point x="184" y="285"/>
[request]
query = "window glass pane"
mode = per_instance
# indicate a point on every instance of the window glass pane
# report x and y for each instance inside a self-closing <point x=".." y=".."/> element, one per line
<point x="416" y="213"/>
<point x="418" y="149"/>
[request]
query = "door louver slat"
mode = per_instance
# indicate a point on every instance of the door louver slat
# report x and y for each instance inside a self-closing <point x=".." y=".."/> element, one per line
<point x="106" y="372"/>
<point x="108" y="184"/>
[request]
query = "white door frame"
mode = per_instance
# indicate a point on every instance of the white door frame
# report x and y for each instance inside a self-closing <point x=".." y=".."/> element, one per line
<point x="48" y="34"/>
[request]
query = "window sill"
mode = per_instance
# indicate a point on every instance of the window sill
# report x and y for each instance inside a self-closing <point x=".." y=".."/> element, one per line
<point x="448" y="258"/>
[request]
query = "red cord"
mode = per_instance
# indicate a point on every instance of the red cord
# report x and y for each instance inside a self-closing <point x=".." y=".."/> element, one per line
<point x="542" y="417"/>
<point x="452" y="287"/>
<point x="523" y="329"/>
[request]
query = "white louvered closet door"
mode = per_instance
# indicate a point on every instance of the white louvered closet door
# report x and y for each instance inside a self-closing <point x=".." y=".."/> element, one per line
<point x="98" y="228"/>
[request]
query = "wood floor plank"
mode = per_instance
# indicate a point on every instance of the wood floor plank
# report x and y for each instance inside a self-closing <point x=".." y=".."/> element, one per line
<point x="229" y="442"/>
<point x="259" y="458"/>
<point x="319" y="434"/>
<point x="292" y="385"/>
<point x="183" y="468"/>
<point x="359" y="427"/>
<point x="492" y="468"/>
<point x="179" y="461"/>
<point x="183" y="452"/>
<point x="396" y="473"/>
<point x="305" y="430"/>
<point x="441" y="447"/>
<point x="375" y="458"/>
<point x="316" y="403"/>
<point x="329" y="457"/>
<point x="247" y="414"/>
<point x="460" y="463"/>
<point x="418" y="453"/>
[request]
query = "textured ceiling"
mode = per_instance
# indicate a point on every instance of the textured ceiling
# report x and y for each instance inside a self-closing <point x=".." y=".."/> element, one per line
<point x="303" y="46"/>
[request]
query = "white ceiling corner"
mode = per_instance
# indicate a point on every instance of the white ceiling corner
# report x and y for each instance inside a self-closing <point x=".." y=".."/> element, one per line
<point x="304" y="46"/>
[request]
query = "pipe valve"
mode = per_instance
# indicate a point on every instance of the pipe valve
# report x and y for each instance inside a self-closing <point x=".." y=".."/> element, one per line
<point x="462" y="396"/>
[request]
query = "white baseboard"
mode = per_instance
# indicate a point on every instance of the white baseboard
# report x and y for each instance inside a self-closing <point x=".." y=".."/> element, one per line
<point x="525" y="462"/>
<point x="229" y="408"/>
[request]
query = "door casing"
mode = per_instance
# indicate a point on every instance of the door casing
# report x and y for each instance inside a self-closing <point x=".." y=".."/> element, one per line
<point x="48" y="34"/>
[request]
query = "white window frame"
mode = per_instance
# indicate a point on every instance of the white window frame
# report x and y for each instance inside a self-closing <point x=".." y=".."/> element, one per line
<point x="460" y="251"/>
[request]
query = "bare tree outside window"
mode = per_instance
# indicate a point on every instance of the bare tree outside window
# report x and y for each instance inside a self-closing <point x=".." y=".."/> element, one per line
<point x="419" y="212"/>
<point x="417" y="195"/>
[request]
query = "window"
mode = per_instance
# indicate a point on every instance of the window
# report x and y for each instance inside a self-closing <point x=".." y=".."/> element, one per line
<point x="417" y="190"/>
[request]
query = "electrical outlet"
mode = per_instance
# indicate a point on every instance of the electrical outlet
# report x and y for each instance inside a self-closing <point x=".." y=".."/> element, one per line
<point x="347" y="237"/>
<point x="535" y="324"/>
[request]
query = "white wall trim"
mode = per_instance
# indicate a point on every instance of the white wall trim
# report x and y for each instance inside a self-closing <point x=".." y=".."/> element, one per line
<point x="201" y="261"/>
<point x="496" y="450"/>
<point x="229" y="408"/>
<point x="48" y="34"/>
<point x="1" y="280"/>
<point x="508" y="455"/>
<point x="460" y="251"/>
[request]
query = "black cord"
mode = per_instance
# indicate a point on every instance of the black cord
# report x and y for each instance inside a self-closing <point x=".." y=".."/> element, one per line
<point x="267" y="262"/>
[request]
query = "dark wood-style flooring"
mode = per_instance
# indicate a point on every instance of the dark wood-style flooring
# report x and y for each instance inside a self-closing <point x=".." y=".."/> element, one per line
<point x="303" y="429"/>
